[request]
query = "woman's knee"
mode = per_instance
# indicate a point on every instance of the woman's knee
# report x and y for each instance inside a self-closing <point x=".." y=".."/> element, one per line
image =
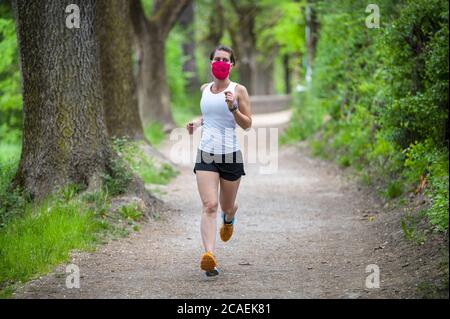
<point x="210" y="207"/>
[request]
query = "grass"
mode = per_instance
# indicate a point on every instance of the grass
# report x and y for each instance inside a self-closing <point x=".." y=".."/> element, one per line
<point x="130" y="212"/>
<point x="439" y="288"/>
<point x="9" y="152"/>
<point x="43" y="237"/>
<point x="151" y="175"/>
<point x="145" y="167"/>
<point x="411" y="230"/>
<point x="44" y="234"/>
<point x="35" y="237"/>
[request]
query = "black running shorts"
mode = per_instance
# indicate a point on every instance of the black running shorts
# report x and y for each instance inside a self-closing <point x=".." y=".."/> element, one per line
<point x="230" y="166"/>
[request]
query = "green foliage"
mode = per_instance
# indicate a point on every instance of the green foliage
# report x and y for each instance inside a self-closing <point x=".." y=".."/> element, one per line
<point x="130" y="212"/>
<point x="425" y="160"/>
<point x="394" y="189"/>
<point x="10" y="95"/>
<point x="174" y="60"/>
<point x="184" y="105"/>
<point x="416" y="54"/>
<point x="379" y="99"/>
<point x="12" y="202"/>
<point x="280" y="23"/>
<point x="143" y="165"/>
<point x="9" y="152"/>
<point x="438" y="212"/>
<point x="118" y="178"/>
<point x="308" y="116"/>
<point x="154" y="133"/>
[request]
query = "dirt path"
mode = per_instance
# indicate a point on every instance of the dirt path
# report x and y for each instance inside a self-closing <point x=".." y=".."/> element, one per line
<point x="302" y="232"/>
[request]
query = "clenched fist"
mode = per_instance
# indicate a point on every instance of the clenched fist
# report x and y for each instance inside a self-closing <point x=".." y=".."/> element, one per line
<point x="229" y="98"/>
<point x="193" y="125"/>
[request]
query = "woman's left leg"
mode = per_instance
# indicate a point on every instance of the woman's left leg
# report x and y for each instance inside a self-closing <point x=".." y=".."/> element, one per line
<point x="227" y="197"/>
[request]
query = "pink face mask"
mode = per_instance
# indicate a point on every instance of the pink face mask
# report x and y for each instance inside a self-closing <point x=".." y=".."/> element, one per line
<point x="220" y="69"/>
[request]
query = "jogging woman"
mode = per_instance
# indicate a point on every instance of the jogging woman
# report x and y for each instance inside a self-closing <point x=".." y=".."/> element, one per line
<point x="219" y="161"/>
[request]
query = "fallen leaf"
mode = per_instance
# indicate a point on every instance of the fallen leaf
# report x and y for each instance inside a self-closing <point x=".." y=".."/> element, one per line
<point x="246" y="263"/>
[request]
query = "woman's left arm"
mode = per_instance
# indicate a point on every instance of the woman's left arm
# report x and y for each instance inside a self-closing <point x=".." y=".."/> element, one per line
<point x="243" y="115"/>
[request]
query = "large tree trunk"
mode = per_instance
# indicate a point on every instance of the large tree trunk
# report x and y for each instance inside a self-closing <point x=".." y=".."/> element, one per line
<point x="189" y="66"/>
<point x="120" y="100"/>
<point x="243" y="38"/>
<point x="153" y="91"/>
<point x="151" y="35"/>
<point x="64" y="136"/>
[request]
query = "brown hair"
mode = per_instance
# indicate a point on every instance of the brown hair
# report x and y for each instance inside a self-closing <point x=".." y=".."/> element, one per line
<point x="226" y="49"/>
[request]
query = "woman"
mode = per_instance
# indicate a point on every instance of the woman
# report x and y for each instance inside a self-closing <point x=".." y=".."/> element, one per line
<point x="219" y="159"/>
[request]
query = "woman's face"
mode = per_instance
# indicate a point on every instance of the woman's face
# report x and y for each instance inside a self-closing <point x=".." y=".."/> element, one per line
<point x="222" y="56"/>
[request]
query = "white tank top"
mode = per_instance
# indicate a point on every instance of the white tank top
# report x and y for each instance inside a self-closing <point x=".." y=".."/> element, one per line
<point x="218" y="130"/>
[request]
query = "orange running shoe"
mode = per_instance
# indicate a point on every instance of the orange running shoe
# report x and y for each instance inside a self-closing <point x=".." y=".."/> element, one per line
<point x="226" y="231"/>
<point x="208" y="263"/>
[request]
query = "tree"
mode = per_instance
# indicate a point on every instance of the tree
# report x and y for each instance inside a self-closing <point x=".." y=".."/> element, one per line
<point x="151" y="34"/>
<point x="64" y="134"/>
<point x="243" y="37"/>
<point x="215" y="25"/>
<point x="186" y="21"/>
<point x="280" y="29"/>
<point x="260" y="31"/>
<point x="114" y="33"/>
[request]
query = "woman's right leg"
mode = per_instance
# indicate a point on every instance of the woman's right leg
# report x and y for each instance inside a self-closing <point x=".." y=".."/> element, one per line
<point x="208" y="185"/>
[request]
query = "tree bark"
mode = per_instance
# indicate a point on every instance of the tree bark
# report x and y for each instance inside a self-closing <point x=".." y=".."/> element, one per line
<point x="243" y="38"/>
<point x="119" y="88"/>
<point x="151" y="35"/>
<point x="64" y="136"/>
<point x="186" y="22"/>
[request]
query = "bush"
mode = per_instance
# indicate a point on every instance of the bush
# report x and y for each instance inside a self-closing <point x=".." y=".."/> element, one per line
<point x="379" y="99"/>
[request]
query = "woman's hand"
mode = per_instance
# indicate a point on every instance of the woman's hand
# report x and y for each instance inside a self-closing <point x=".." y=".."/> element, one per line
<point x="229" y="98"/>
<point x="193" y="125"/>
